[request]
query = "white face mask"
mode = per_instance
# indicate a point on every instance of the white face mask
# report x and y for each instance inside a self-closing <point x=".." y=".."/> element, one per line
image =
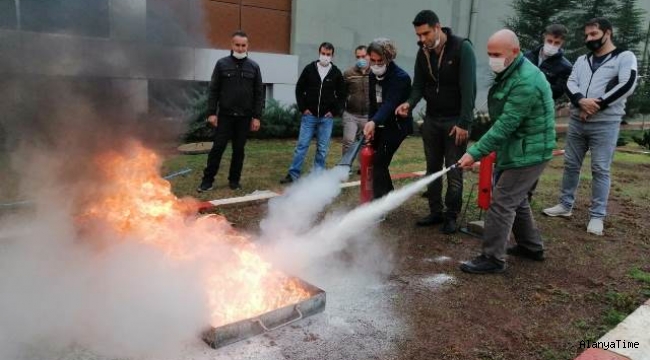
<point x="497" y="64"/>
<point x="378" y="70"/>
<point x="550" y="50"/>
<point x="324" y="60"/>
<point x="238" y="55"/>
<point x="437" y="42"/>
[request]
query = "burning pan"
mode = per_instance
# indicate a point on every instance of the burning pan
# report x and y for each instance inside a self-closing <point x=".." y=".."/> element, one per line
<point x="269" y="321"/>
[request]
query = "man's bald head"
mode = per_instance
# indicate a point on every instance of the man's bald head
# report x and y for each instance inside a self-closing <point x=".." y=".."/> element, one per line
<point x="504" y="44"/>
<point x="505" y="37"/>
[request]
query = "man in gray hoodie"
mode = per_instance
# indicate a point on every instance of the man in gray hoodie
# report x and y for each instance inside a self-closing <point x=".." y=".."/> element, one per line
<point x="598" y="87"/>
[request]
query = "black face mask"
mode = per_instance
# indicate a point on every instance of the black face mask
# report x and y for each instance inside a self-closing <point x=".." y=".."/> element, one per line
<point x="594" y="45"/>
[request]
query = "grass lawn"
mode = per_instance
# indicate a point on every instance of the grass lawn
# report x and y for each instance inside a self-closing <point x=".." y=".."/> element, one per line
<point x="537" y="310"/>
<point x="534" y="311"/>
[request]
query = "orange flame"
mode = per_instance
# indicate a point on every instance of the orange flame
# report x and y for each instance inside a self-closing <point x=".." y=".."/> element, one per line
<point x="136" y="203"/>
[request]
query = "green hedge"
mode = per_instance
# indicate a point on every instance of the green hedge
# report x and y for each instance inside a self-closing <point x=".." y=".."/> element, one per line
<point x="278" y="121"/>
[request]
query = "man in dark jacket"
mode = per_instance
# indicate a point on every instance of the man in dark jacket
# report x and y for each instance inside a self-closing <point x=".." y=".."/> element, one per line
<point x="234" y="107"/>
<point x="320" y="94"/>
<point x="549" y="57"/>
<point x="445" y="75"/>
<point x="389" y="87"/>
<point x="523" y="135"/>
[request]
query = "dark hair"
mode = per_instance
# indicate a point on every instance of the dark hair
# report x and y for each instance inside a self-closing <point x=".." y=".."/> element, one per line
<point x="426" y="17"/>
<point x="360" y="47"/>
<point x="557" y="30"/>
<point x="239" y="33"/>
<point x="326" y="46"/>
<point x="601" y="23"/>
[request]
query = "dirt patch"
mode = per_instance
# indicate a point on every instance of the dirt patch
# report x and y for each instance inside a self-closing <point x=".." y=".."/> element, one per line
<point x="535" y="310"/>
<point x="426" y="308"/>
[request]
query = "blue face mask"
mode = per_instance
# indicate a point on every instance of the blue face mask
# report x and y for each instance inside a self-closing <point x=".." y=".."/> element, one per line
<point x="362" y="63"/>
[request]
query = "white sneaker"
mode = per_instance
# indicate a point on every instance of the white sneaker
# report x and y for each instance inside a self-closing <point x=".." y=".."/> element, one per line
<point x="595" y="226"/>
<point x="557" y="210"/>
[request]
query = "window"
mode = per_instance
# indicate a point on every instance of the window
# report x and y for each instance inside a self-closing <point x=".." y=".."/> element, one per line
<point x="75" y="17"/>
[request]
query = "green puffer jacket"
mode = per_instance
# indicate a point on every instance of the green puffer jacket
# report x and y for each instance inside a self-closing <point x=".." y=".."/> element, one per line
<point x="521" y="105"/>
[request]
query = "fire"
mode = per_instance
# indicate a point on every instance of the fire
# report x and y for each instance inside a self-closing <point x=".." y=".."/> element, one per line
<point x="138" y="205"/>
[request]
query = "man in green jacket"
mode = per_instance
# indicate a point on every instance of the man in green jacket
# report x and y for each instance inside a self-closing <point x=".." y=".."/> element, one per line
<point x="523" y="135"/>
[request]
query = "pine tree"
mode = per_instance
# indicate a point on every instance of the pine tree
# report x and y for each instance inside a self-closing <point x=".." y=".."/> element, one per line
<point x="532" y="16"/>
<point x="629" y="31"/>
<point x="582" y="12"/>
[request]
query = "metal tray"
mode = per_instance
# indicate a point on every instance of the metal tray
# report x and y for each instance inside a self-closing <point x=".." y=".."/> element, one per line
<point x="269" y="321"/>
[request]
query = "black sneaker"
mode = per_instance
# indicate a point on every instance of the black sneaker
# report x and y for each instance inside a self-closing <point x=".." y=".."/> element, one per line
<point x="430" y="220"/>
<point x="483" y="265"/>
<point x="287" y="179"/>
<point x="234" y="185"/>
<point x="449" y="226"/>
<point x="204" y="187"/>
<point x="523" y="252"/>
<point x="425" y="194"/>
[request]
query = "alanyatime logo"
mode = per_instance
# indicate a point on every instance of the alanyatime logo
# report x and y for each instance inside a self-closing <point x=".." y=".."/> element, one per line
<point x="606" y="345"/>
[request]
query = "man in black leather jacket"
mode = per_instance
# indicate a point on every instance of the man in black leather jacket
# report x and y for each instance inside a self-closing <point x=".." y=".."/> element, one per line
<point x="234" y="107"/>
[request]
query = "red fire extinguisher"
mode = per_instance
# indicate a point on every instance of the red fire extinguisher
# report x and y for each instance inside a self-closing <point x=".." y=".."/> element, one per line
<point x="485" y="181"/>
<point x="366" y="158"/>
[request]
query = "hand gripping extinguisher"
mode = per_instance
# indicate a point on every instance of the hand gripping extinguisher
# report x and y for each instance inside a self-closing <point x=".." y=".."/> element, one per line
<point x="366" y="158"/>
<point x="485" y="181"/>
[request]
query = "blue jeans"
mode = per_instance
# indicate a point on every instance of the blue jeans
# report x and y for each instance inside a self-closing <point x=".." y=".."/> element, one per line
<point x="309" y="126"/>
<point x="600" y="138"/>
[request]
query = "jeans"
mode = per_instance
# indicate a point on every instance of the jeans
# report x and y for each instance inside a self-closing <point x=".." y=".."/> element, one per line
<point x="310" y="125"/>
<point x="441" y="149"/>
<point x="233" y="128"/>
<point x="600" y="138"/>
<point x="510" y="211"/>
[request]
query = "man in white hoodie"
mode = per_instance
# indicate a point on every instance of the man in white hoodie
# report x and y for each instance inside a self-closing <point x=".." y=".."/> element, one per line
<point x="599" y="85"/>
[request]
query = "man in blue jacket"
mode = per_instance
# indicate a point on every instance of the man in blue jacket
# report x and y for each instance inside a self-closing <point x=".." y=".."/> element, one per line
<point x="598" y="87"/>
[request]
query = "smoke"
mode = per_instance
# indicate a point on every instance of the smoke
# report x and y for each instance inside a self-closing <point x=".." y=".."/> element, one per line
<point x="296" y="211"/>
<point x="58" y="288"/>
<point x="294" y="241"/>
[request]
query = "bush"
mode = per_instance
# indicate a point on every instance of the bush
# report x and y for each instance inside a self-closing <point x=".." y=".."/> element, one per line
<point x="639" y="102"/>
<point x="278" y="121"/>
<point x="196" y="114"/>
<point x="482" y="123"/>
<point x="644" y="140"/>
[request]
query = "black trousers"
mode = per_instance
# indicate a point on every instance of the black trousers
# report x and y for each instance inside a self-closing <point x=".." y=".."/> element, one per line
<point x="233" y="128"/>
<point x="386" y="142"/>
<point x="440" y="150"/>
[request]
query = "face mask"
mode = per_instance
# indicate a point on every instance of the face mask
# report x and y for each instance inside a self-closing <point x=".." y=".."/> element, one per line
<point x="239" y="55"/>
<point x="497" y="64"/>
<point x="324" y="60"/>
<point x="437" y="42"/>
<point x="550" y="50"/>
<point x="594" y="45"/>
<point x="378" y="70"/>
<point x="362" y="63"/>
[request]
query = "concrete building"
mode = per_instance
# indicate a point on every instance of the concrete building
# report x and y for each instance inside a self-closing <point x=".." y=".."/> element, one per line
<point x="148" y="48"/>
